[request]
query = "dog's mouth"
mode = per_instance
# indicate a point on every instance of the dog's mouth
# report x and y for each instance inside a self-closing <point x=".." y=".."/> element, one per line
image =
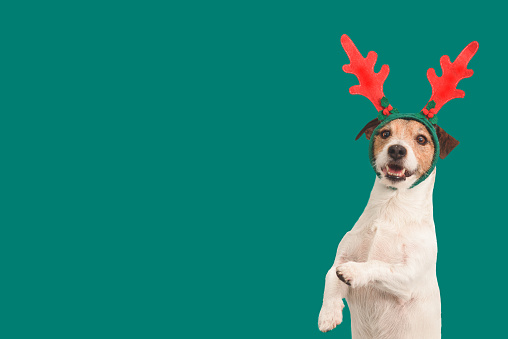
<point x="396" y="172"/>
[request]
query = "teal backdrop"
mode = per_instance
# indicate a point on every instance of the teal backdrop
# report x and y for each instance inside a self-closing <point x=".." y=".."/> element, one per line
<point x="188" y="170"/>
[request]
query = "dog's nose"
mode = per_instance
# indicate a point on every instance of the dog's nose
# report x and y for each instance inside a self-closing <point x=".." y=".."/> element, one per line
<point x="397" y="151"/>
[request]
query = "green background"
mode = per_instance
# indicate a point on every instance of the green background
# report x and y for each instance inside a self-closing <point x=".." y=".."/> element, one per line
<point x="187" y="171"/>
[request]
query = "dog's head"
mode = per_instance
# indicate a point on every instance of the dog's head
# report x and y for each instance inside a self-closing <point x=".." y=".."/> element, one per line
<point x="403" y="150"/>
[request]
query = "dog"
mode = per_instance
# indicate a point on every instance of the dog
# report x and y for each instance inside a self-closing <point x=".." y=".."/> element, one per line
<point x="388" y="260"/>
<point x="385" y="266"/>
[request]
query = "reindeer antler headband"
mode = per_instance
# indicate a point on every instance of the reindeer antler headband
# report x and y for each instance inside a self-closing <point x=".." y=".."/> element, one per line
<point x="444" y="89"/>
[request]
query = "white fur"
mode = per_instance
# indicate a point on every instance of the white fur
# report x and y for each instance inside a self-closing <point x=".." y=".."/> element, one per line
<point x="390" y="258"/>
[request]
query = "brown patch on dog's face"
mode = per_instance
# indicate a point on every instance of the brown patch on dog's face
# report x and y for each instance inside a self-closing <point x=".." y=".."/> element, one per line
<point x="403" y="133"/>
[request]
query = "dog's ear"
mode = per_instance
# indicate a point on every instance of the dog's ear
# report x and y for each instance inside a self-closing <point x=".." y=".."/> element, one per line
<point x="368" y="129"/>
<point x="446" y="142"/>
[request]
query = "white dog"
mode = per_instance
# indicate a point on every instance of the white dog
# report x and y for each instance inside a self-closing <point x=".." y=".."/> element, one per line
<point x="385" y="266"/>
<point x="387" y="262"/>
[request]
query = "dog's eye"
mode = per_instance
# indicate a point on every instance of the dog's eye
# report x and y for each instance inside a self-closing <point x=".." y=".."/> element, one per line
<point x="421" y="140"/>
<point x="385" y="134"/>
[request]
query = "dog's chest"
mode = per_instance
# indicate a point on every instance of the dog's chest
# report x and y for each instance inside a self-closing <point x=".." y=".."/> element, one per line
<point x="381" y="241"/>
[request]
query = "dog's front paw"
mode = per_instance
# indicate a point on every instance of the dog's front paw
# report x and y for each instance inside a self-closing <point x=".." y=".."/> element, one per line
<point x="353" y="274"/>
<point x="330" y="315"/>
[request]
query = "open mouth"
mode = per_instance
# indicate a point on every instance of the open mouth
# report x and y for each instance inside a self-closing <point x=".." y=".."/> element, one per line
<point x="396" y="172"/>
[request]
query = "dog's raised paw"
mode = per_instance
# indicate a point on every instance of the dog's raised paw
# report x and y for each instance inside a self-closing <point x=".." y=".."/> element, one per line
<point x="330" y="316"/>
<point x="341" y="277"/>
<point x="352" y="274"/>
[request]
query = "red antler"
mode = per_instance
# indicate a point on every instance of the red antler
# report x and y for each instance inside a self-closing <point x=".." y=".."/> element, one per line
<point x="371" y="83"/>
<point x="444" y="88"/>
